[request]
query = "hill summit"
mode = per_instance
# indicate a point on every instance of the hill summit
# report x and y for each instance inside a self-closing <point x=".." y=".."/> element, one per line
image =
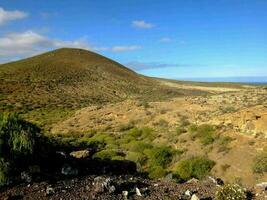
<point x="70" y="77"/>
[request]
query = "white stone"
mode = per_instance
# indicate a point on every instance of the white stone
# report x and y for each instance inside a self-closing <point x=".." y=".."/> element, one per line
<point x="138" y="193"/>
<point x="194" y="197"/>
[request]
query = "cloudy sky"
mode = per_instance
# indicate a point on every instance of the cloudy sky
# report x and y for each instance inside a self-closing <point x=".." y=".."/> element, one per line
<point x="166" y="38"/>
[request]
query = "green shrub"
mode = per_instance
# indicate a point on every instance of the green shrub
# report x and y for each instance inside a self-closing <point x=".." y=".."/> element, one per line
<point x="109" y="154"/>
<point x="17" y="137"/>
<point x="228" y="109"/>
<point x="137" y="146"/>
<point x="192" y="128"/>
<point x="137" y="157"/>
<point x="157" y="172"/>
<point x="141" y="133"/>
<point x="4" y="172"/>
<point x="196" y="167"/>
<point x="231" y="192"/>
<point x="204" y="132"/>
<point x="97" y="141"/>
<point x="260" y="163"/>
<point x="17" y="144"/>
<point x="159" y="156"/>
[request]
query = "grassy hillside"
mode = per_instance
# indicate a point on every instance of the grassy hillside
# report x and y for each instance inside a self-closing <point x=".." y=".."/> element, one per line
<point x="67" y="79"/>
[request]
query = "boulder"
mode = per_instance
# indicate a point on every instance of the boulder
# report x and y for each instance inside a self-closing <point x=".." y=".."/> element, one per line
<point x="102" y="184"/>
<point x="26" y="176"/>
<point x="81" y="154"/>
<point x="194" y="197"/>
<point x="68" y="170"/>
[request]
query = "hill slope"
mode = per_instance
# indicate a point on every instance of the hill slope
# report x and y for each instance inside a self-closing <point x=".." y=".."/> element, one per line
<point x="72" y="78"/>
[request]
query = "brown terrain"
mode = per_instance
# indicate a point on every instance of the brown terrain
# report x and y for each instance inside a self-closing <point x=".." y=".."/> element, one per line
<point x="238" y="113"/>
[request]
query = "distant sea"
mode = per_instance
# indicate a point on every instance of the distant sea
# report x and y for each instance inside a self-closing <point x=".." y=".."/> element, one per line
<point x="247" y="80"/>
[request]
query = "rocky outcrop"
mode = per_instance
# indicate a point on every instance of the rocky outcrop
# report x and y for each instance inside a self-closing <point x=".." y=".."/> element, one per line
<point x="250" y="121"/>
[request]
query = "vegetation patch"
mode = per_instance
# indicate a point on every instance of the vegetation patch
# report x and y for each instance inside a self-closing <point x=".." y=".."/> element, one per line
<point x="18" y="142"/>
<point x="260" y="163"/>
<point x="205" y="133"/>
<point x="196" y="167"/>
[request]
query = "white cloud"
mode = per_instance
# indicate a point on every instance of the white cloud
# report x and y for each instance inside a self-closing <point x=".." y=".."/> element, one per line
<point x="28" y="43"/>
<point x="142" y="24"/>
<point x="165" y="40"/>
<point x="6" y="16"/>
<point x="117" y="49"/>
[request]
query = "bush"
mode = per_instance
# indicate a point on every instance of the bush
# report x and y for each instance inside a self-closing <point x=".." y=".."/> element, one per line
<point x="137" y="146"/>
<point x="17" y="137"/>
<point x="108" y="154"/>
<point x="157" y="172"/>
<point x="17" y="144"/>
<point x="159" y="156"/>
<point x="230" y="191"/>
<point x="204" y="132"/>
<point x="196" y="167"/>
<point x="260" y="163"/>
<point x="4" y="172"/>
<point x="137" y="157"/>
<point x="97" y="141"/>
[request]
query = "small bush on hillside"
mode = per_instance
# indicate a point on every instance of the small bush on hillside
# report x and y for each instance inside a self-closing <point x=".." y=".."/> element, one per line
<point x="197" y="167"/>
<point x="260" y="163"/>
<point x="144" y="133"/>
<point x="192" y="128"/>
<point x="137" y="146"/>
<point x="17" y="137"/>
<point x="17" y="143"/>
<point x="228" y="109"/>
<point x="157" y="172"/>
<point x="159" y="156"/>
<point x="108" y="154"/>
<point x="231" y="192"/>
<point x="4" y="171"/>
<point x="137" y="157"/>
<point x="98" y="141"/>
<point x="204" y="132"/>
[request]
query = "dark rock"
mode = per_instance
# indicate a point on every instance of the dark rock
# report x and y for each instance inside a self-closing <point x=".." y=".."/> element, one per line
<point x="68" y="170"/>
<point x="103" y="184"/>
<point x="26" y="176"/>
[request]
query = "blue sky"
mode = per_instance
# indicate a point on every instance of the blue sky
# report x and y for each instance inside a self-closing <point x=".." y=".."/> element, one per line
<point x="170" y="38"/>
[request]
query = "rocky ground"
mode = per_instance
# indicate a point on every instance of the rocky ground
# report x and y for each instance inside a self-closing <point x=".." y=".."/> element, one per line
<point x="120" y="187"/>
<point x="79" y="177"/>
<point x="111" y="187"/>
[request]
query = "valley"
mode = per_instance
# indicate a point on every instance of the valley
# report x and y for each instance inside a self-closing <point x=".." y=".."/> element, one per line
<point x="171" y="131"/>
